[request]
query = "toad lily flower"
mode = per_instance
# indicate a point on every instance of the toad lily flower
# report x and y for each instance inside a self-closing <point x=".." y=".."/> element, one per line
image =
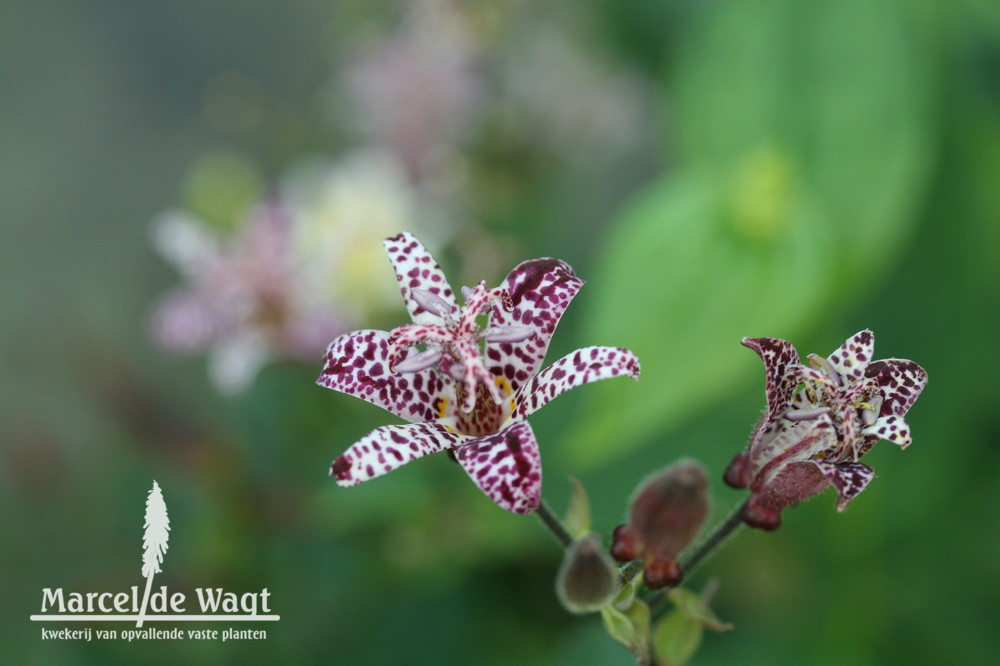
<point x="468" y="390"/>
<point x="812" y="438"/>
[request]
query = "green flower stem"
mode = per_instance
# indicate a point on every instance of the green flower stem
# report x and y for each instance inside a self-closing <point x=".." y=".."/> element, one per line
<point x="722" y="531"/>
<point x="554" y="525"/>
<point x="630" y="569"/>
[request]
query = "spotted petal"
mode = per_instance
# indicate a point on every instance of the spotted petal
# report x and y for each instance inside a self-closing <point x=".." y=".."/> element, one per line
<point x="901" y="382"/>
<point x="892" y="428"/>
<point x="540" y="290"/>
<point x="386" y="448"/>
<point x="356" y="363"/>
<point x="851" y="359"/>
<point x="781" y="363"/>
<point x="416" y="269"/>
<point x="848" y="478"/>
<point x="583" y="366"/>
<point x="506" y="466"/>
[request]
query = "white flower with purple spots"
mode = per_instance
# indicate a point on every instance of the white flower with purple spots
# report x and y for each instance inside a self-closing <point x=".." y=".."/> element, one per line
<point x="812" y="437"/>
<point x="462" y="387"/>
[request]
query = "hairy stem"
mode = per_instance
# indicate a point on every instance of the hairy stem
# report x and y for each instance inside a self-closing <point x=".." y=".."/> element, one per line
<point x="553" y="524"/>
<point x="722" y="531"/>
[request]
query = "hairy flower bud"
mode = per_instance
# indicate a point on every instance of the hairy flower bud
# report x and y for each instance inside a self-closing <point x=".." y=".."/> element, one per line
<point x="587" y="580"/>
<point x="664" y="518"/>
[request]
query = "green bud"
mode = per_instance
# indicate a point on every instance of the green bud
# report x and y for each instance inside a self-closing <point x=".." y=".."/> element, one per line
<point x="587" y="580"/>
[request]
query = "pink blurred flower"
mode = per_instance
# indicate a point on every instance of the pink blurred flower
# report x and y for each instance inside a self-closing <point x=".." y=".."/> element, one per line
<point x="294" y="273"/>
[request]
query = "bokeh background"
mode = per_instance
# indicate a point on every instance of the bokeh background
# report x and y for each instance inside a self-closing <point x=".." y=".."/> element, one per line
<point x="713" y="169"/>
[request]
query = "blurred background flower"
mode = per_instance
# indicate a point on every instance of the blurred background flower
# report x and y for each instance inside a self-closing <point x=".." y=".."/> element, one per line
<point x="299" y="269"/>
<point x="713" y="170"/>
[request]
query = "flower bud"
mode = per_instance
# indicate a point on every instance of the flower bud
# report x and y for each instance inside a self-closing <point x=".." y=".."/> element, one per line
<point x="587" y="580"/>
<point x="664" y="518"/>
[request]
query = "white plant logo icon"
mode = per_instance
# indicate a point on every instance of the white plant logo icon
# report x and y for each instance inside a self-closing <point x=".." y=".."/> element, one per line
<point x="154" y="542"/>
<point x="215" y="604"/>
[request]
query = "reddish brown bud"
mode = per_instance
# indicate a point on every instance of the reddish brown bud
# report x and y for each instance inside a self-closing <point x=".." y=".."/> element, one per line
<point x="761" y="516"/>
<point x="625" y="544"/>
<point x="739" y="472"/>
<point x="661" y="573"/>
<point x="668" y="510"/>
<point x="588" y="579"/>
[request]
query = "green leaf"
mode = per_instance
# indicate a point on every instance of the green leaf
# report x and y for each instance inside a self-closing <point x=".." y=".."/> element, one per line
<point x="676" y="638"/>
<point x="804" y="132"/>
<point x="626" y="595"/>
<point x="845" y="86"/>
<point x="680" y="284"/>
<point x="220" y="189"/>
<point x="629" y="627"/>
<point x="577" y="521"/>
<point x="695" y="607"/>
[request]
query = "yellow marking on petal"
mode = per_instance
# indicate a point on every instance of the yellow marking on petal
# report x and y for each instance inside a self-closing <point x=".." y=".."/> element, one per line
<point x="451" y="430"/>
<point x="504" y="385"/>
<point x="863" y="405"/>
<point x="442" y="406"/>
<point x="506" y="388"/>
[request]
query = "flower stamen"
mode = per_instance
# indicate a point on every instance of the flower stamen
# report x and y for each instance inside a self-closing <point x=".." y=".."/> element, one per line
<point x="455" y="344"/>
<point x="431" y="302"/>
<point x="820" y="363"/>
<point x="419" y="361"/>
<point x="806" y="414"/>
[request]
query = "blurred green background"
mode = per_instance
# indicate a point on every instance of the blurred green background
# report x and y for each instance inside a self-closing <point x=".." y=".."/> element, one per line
<point x="713" y="169"/>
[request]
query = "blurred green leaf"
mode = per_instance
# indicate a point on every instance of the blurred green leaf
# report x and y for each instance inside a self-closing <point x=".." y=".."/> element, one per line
<point x="805" y="135"/>
<point x="629" y="627"/>
<point x="625" y="596"/>
<point x="221" y="187"/>
<point x="577" y="521"/>
<point x="676" y="638"/>
<point x="680" y="284"/>
<point x="845" y="86"/>
<point x="696" y="608"/>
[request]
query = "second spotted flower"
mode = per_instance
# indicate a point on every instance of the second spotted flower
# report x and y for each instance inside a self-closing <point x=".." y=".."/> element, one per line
<point x="463" y="386"/>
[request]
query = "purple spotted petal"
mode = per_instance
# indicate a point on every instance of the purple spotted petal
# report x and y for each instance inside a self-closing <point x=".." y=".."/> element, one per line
<point x="781" y="363"/>
<point x="851" y="359"/>
<point x="540" y="290"/>
<point x="848" y="478"/>
<point x="506" y="466"/>
<point x="901" y="382"/>
<point x="386" y="448"/>
<point x="356" y="364"/>
<point x="416" y="269"/>
<point x="892" y="428"/>
<point x="583" y="366"/>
